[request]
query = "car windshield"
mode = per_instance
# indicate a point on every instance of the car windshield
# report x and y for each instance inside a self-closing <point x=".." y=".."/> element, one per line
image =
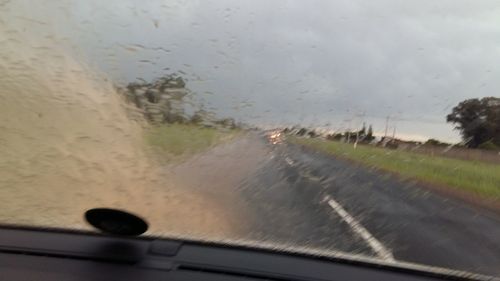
<point x="354" y="128"/>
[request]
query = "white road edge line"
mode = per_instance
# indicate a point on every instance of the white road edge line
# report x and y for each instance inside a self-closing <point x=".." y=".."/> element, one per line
<point x="381" y="251"/>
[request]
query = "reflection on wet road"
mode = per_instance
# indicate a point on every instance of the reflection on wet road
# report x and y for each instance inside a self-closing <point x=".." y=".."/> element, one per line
<point x="303" y="198"/>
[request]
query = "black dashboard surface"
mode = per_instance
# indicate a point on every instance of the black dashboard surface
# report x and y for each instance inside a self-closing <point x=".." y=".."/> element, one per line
<point x="33" y="254"/>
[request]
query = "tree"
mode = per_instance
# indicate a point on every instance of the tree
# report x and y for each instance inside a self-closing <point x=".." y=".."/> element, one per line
<point x="435" y="142"/>
<point x="489" y="145"/>
<point x="198" y="117"/>
<point x="369" y="136"/>
<point x="162" y="100"/>
<point x="362" y="132"/>
<point x="228" y="123"/>
<point x="302" y="132"/>
<point x="478" y="120"/>
<point x="312" y="134"/>
<point x="334" y="136"/>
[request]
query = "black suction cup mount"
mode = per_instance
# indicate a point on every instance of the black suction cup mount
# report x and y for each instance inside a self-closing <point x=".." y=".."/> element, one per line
<point x="116" y="222"/>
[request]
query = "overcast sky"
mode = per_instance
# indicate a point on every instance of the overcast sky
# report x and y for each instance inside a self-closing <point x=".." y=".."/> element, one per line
<point x="322" y="63"/>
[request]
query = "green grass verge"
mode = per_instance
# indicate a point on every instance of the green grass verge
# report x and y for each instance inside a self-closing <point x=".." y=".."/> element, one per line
<point x="178" y="141"/>
<point x="477" y="177"/>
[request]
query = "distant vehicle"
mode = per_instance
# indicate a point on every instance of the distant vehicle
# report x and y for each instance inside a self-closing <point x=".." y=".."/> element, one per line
<point x="274" y="137"/>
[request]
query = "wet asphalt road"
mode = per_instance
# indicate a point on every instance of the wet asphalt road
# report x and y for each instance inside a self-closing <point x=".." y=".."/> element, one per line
<point x="290" y="196"/>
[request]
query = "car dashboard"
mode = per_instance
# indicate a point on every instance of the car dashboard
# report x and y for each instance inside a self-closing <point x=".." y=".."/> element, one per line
<point x="48" y="254"/>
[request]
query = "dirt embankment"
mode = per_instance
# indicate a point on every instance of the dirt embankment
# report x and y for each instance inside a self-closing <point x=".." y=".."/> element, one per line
<point x="68" y="145"/>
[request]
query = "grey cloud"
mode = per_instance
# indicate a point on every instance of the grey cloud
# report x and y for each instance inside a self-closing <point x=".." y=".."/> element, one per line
<point x="305" y="61"/>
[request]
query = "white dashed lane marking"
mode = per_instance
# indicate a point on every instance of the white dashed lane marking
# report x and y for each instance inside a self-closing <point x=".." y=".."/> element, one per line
<point x="360" y="230"/>
<point x="355" y="225"/>
<point x="289" y="161"/>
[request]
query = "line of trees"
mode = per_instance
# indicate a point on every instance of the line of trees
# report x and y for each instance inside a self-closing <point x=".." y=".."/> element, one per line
<point x="363" y="135"/>
<point x="164" y="101"/>
<point x="477" y="120"/>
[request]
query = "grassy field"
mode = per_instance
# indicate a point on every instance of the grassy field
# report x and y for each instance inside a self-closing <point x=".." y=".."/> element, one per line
<point x="178" y="141"/>
<point x="480" y="178"/>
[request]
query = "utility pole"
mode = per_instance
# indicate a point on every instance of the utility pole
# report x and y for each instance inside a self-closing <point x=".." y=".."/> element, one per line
<point x="349" y="132"/>
<point x="386" y="126"/>
<point x="357" y="139"/>
<point x="394" y="132"/>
